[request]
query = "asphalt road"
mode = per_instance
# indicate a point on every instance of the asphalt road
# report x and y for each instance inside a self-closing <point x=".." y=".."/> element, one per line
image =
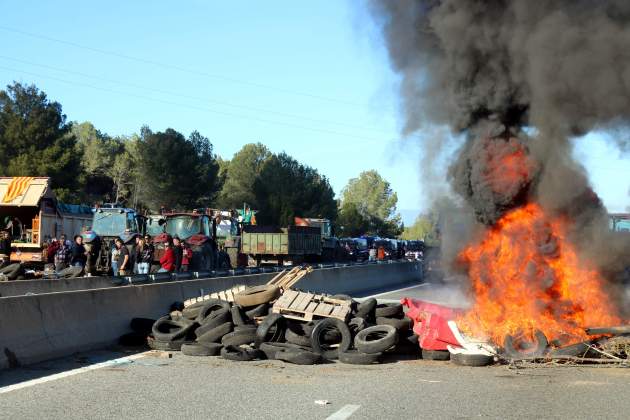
<point x="155" y="386"/>
<point x="200" y="388"/>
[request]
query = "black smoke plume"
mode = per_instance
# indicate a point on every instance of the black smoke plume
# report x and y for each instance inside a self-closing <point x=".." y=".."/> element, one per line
<point x="516" y="74"/>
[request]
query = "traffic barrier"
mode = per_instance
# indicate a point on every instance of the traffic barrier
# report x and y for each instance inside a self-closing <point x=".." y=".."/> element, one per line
<point x="34" y="328"/>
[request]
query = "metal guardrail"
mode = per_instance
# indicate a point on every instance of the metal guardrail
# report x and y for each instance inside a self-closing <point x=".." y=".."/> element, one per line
<point x="168" y="277"/>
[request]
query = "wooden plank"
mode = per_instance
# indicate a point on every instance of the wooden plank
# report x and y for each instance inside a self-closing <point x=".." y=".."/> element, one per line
<point x="311" y="307"/>
<point x="305" y="302"/>
<point x="301" y="299"/>
<point x="323" y="309"/>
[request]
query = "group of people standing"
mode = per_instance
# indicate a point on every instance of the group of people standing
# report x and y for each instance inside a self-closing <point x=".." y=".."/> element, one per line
<point x="64" y="253"/>
<point x="176" y="257"/>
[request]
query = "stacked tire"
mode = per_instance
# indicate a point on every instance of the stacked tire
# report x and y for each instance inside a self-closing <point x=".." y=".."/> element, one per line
<point x="246" y="330"/>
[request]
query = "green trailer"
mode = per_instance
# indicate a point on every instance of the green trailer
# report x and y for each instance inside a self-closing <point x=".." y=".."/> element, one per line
<point x="292" y="245"/>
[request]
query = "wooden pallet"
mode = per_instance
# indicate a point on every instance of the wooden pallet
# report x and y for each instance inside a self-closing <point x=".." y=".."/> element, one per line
<point x="285" y="279"/>
<point x="227" y="295"/>
<point x="305" y="306"/>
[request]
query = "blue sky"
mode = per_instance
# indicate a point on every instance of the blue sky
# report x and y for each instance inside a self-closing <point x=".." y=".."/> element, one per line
<point x="308" y="78"/>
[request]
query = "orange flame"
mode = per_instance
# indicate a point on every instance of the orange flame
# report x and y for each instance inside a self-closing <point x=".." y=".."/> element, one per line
<point x="526" y="275"/>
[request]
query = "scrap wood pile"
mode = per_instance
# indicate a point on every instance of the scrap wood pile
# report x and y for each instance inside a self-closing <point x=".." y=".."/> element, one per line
<point x="264" y="322"/>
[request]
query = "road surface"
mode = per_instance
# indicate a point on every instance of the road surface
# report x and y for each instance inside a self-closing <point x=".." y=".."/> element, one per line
<point x="114" y="384"/>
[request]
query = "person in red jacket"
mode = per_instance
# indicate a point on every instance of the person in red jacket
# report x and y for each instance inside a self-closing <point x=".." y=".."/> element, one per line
<point x="168" y="259"/>
<point x="186" y="256"/>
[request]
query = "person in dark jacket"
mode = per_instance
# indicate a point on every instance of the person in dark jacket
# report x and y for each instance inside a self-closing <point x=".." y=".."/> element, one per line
<point x="78" y="253"/>
<point x="178" y="252"/>
<point x="144" y="255"/>
<point x="5" y="248"/>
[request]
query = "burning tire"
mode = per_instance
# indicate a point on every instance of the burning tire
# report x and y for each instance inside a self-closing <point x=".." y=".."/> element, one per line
<point x="476" y="360"/>
<point x="376" y="339"/>
<point x="441" y="355"/>
<point x="518" y="348"/>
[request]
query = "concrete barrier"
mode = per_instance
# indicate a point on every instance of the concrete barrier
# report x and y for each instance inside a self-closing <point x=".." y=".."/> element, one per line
<point x="22" y="287"/>
<point x="41" y="327"/>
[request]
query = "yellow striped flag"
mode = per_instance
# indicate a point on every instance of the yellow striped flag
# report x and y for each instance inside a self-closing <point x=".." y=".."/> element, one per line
<point x="16" y="188"/>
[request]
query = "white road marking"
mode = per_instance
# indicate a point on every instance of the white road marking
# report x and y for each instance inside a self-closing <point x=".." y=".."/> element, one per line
<point x="72" y="372"/>
<point x="345" y="412"/>
<point x="400" y="290"/>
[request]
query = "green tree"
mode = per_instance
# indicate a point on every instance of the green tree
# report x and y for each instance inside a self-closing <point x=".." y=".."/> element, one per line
<point x="423" y="227"/>
<point x="35" y="139"/>
<point x="240" y="174"/>
<point x="285" y="188"/>
<point x="98" y="154"/>
<point x="368" y="206"/>
<point x="176" y="172"/>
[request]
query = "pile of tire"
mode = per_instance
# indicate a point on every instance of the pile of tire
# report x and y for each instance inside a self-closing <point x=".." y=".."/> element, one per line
<point x="246" y="330"/>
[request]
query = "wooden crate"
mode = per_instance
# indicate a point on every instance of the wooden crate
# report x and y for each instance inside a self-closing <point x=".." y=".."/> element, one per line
<point x="305" y="306"/>
<point x="227" y="295"/>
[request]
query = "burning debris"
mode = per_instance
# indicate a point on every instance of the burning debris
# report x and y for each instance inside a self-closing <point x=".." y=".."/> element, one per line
<point x="520" y="82"/>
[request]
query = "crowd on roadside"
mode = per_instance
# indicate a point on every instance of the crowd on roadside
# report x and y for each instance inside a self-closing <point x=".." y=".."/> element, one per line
<point x="125" y="260"/>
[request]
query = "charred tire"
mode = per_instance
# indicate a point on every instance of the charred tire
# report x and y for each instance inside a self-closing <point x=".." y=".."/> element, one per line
<point x="320" y="331"/>
<point x="406" y="346"/>
<point x="238" y="318"/>
<point x="257" y="295"/>
<point x="142" y="325"/>
<point x="133" y="339"/>
<point x="11" y="270"/>
<point x="271" y="329"/>
<point x="354" y="357"/>
<point x="240" y="354"/>
<point x="308" y="328"/>
<point x="216" y="334"/>
<point x="391" y="310"/>
<point x="197" y="349"/>
<point x="166" y="329"/>
<point x="258" y="311"/>
<point x="512" y="348"/>
<point x="212" y="308"/>
<point x="356" y="325"/>
<point x="366" y="310"/>
<point x="435" y="354"/>
<point x="270" y="349"/>
<point x="298" y="357"/>
<point x="580" y="349"/>
<point x="376" y="339"/>
<point x="401" y="325"/>
<point x="174" y="345"/>
<point x="192" y="311"/>
<point x="472" y="359"/>
<point x="295" y="338"/>
<point x="212" y="322"/>
<point x="240" y="337"/>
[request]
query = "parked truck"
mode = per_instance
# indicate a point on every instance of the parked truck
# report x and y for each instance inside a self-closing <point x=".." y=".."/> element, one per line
<point x="33" y="216"/>
<point x="291" y="245"/>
